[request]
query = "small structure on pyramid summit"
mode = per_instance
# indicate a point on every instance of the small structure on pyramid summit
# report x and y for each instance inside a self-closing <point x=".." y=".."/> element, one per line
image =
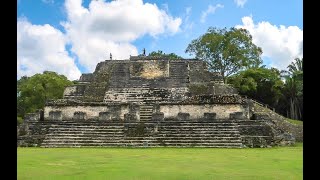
<point x="155" y="101"/>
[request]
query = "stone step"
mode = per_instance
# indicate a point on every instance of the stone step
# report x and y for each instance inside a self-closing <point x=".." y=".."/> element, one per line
<point x="185" y="137"/>
<point x="196" y="130"/>
<point x="213" y="145"/>
<point x="78" y="122"/>
<point x="71" y="136"/>
<point x="185" y="133"/>
<point x="86" y="129"/>
<point x="86" y="126"/>
<point x="178" y="74"/>
<point x="146" y="109"/>
<point x="221" y="135"/>
<point x="145" y="116"/>
<point x="84" y="132"/>
<point x="194" y="124"/>
<point x="212" y="135"/>
<point x="51" y="141"/>
<point x="199" y="126"/>
<point x="83" y="135"/>
<point x="149" y="112"/>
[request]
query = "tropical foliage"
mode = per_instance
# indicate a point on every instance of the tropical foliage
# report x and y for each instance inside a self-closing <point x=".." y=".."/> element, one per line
<point x="226" y="50"/>
<point x="32" y="92"/>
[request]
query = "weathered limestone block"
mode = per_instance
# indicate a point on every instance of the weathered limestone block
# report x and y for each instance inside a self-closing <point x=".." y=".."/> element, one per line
<point x="183" y="116"/>
<point x="256" y="142"/>
<point x="236" y="115"/>
<point x="104" y="116"/>
<point x="158" y="116"/>
<point x="285" y="139"/>
<point x="130" y="117"/>
<point x="209" y="116"/>
<point x="55" y="115"/>
<point x="34" y="116"/>
<point x="156" y="108"/>
<point x="88" y="77"/>
<point x="261" y="116"/>
<point x="79" y="115"/>
<point x="223" y="89"/>
<point x="115" y="111"/>
<point x="134" y="108"/>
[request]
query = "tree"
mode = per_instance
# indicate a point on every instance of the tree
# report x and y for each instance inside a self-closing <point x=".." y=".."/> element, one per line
<point x="293" y="90"/>
<point x="160" y="53"/>
<point x="32" y="92"/>
<point x="261" y="83"/>
<point x="226" y="51"/>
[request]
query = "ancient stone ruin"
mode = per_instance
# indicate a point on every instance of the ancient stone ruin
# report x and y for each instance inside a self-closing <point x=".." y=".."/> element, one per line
<point x="154" y="102"/>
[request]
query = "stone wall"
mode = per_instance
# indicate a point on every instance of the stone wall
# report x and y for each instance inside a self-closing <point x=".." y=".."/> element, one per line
<point x="75" y="91"/>
<point x="32" y="133"/>
<point x="120" y="111"/>
<point x="91" y="112"/>
<point x="150" y="69"/>
<point x="276" y="121"/>
<point x="157" y="73"/>
<point x="94" y="91"/>
<point x="88" y="77"/>
<point x="198" y="111"/>
<point x="146" y="73"/>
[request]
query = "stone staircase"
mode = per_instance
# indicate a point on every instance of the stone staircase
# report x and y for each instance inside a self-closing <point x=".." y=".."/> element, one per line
<point x="80" y="134"/>
<point x="218" y="133"/>
<point x="146" y="112"/>
<point x="222" y="134"/>
<point x="178" y="72"/>
<point x="255" y="133"/>
<point x="278" y="122"/>
<point x="132" y="94"/>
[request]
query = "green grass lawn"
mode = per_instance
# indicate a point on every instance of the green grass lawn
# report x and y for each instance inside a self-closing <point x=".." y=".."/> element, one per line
<point x="160" y="163"/>
<point x="297" y="122"/>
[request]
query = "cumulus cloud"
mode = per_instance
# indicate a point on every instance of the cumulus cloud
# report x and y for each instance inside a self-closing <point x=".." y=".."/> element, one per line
<point x="240" y="3"/>
<point x="280" y="44"/>
<point x="187" y="25"/>
<point x="211" y="10"/>
<point x="111" y="27"/>
<point x="40" y="48"/>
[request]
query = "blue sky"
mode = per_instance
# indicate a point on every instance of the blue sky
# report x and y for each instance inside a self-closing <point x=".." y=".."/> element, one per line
<point x="72" y="36"/>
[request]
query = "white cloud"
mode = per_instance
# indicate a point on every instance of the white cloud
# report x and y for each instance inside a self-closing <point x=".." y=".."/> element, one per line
<point x="40" y="48"/>
<point x="211" y="10"/>
<point x="240" y="3"/>
<point x="187" y="26"/>
<point x="111" y="27"/>
<point x="280" y="44"/>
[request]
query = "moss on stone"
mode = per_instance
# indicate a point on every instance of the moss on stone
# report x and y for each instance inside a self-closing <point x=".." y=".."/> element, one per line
<point x="137" y="131"/>
<point x="198" y="89"/>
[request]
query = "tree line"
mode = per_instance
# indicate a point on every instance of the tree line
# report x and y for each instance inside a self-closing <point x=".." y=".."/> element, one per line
<point x="232" y="53"/>
<point x="228" y="51"/>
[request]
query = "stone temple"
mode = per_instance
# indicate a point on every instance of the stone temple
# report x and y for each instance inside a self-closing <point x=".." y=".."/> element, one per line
<point x="154" y="102"/>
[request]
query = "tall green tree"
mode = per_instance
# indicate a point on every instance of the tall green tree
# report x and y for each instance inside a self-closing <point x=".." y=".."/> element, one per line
<point x="226" y="50"/>
<point x="262" y="84"/>
<point x="293" y="90"/>
<point x="169" y="56"/>
<point x="32" y="92"/>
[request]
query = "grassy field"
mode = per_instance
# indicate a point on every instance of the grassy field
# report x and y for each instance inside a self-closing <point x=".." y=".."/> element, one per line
<point x="160" y="163"/>
<point x="297" y="122"/>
